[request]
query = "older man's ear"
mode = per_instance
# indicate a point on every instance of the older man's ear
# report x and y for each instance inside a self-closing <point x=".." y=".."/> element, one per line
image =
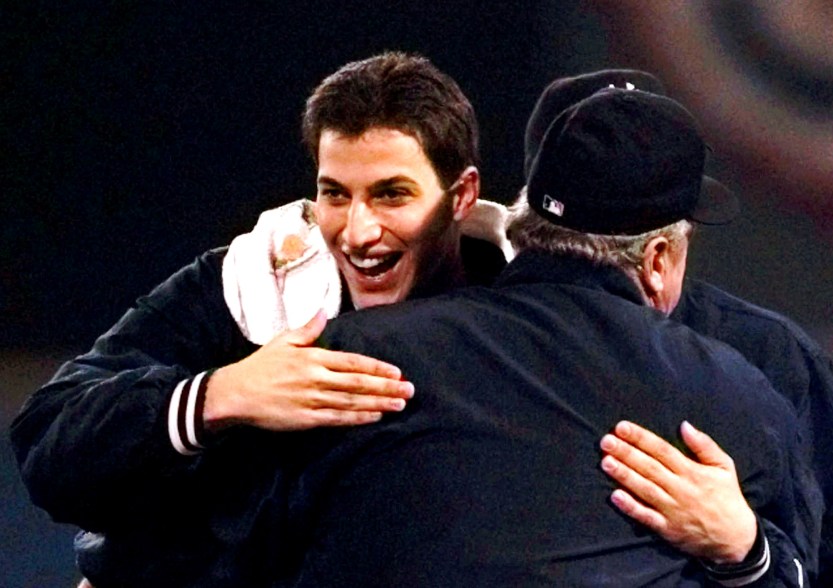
<point x="662" y="273"/>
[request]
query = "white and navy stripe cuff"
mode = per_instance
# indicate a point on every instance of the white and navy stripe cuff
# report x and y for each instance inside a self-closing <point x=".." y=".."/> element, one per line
<point x="185" y="424"/>
<point x="745" y="573"/>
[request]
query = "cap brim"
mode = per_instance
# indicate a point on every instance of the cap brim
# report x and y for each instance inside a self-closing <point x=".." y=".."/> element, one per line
<point x="717" y="205"/>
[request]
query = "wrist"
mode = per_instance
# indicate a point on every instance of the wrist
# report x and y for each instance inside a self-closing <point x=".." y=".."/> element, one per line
<point x="742" y="543"/>
<point x="217" y="411"/>
<point x="751" y="568"/>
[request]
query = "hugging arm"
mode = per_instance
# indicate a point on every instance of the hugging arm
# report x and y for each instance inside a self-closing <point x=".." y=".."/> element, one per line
<point x="119" y="430"/>
<point x="699" y="507"/>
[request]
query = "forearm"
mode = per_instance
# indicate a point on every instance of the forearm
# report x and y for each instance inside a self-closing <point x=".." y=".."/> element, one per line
<point x="87" y="445"/>
<point x="96" y="439"/>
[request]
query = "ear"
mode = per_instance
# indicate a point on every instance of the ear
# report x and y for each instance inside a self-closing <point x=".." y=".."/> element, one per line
<point x="466" y="194"/>
<point x="655" y="265"/>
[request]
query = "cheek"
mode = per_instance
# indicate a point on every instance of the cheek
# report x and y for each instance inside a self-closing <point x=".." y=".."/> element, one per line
<point x="330" y="222"/>
<point x="426" y="230"/>
<point x="405" y="233"/>
<point x="401" y="227"/>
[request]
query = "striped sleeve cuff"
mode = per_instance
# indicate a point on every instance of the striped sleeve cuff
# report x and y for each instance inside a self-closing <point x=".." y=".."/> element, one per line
<point x="185" y="424"/>
<point x="753" y="568"/>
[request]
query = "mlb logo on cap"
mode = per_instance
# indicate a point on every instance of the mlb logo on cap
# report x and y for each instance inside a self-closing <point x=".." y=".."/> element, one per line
<point x="553" y="206"/>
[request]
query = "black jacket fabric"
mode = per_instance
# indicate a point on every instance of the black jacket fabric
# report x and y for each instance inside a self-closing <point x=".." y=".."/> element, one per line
<point x="94" y="452"/>
<point x="490" y="477"/>
<point x="795" y="365"/>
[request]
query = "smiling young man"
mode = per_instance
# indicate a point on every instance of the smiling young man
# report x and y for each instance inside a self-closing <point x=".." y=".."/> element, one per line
<point x="397" y="177"/>
<point x="382" y="209"/>
<point x="396" y="216"/>
<point x="124" y="440"/>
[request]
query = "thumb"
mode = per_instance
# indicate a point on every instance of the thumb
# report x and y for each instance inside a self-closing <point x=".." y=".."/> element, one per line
<point x="307" y="334"/>
<point x="704" y="447"/>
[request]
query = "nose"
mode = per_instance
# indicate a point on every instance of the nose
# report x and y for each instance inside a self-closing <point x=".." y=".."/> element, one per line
<point x="363" y="228"/>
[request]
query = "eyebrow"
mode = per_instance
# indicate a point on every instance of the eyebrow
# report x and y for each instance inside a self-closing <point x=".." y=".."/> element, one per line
<point x="395" y="180"/>
<point x="328" y="181"/>
<point x="378" y="185"/>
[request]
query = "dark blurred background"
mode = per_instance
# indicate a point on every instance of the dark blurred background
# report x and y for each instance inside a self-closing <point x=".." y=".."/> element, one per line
<point x="135" y="135"/>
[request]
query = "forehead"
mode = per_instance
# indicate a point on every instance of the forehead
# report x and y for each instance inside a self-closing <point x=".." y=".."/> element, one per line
<point x="379" y="151"/>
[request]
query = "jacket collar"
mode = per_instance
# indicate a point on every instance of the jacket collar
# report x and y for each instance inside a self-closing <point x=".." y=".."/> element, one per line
<point x="536" y="266"/>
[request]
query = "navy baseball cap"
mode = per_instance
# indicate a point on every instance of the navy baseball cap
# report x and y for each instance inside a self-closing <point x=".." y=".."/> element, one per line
<point x="562" y="93"/>
<point x="625" y="161"/>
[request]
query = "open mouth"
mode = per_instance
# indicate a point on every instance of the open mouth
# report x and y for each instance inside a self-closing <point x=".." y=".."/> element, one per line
<point x="374" y="266"/>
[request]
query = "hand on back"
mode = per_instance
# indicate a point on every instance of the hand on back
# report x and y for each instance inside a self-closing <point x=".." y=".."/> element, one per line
<point x="288" y="384"/>
<point x="697" y="506"/>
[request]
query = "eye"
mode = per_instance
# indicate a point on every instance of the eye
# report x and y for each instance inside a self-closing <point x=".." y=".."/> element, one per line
<point x="393" y="193"/>
<point x="332" y="194"/>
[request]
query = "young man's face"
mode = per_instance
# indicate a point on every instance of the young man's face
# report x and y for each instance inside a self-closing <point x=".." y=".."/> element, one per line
<point x="383" y="214"/>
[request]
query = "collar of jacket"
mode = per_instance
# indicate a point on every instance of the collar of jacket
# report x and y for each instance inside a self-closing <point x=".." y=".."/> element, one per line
<point x="538" y="266"/>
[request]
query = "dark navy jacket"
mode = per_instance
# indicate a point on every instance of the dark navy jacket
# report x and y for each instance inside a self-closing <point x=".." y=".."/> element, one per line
<point x="795" y="365"/>
<point x="94" y="451"/>
<point x="490" y="477"/>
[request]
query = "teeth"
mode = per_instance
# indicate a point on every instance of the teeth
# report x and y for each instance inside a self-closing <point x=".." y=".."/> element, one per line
<point x="366" y="262"/>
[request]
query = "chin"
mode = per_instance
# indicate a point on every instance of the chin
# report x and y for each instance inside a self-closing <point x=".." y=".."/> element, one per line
<point x="369" y="299"/>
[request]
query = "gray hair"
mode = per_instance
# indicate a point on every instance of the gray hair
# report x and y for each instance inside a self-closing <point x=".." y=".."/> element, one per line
<point x="528" y="230"/>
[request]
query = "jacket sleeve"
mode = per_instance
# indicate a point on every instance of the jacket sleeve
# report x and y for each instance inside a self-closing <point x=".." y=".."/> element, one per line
<point x="788" y="568"/>
<point x="791" y="521"/>
<point x="772" y="458"/>
<point x="93" y="443"/>
<point x="773" y="563"/>
<point x="796" y="366"/>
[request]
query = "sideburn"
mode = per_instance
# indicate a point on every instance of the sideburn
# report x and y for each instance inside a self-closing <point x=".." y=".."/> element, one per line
<point x="444" y="271"/>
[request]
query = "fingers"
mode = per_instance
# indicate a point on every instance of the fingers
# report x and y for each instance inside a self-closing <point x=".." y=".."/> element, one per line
<point x="290" y="384"/>
<point x="644" y="488"/>
<point x="342" y="361"/>
<point x="704" y="447"/>
<point x="302" y="341"/>
<point x="325" y="409"/>
<point x="333" y="409"/>
<point x="630" y="458"/>
<point x="651" y="445"/>
<point x="341" y="418"/>
<point x="367" y="385"/>
<point x="329" y="417"/>
<point x="628" y="505"/>
<point x="354" y="373"/>
<point x="697" y="507"/>
<point x="354" y="402"/>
